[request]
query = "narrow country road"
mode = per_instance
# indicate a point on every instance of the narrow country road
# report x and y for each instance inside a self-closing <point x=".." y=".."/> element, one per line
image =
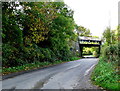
<point x="70" y="75"/>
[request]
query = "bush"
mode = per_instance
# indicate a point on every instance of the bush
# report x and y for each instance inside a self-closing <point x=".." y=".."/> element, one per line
<point x="13" y="57"/>
<point x="10" y="56"/>
<point x="111" y="53"/>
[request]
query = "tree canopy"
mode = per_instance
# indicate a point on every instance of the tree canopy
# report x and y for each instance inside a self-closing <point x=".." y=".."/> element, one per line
<point x="82" y="31"/>
<point x="36" y="31"/>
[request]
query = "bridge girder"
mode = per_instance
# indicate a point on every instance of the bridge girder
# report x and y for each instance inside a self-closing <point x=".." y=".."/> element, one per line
<point x="81" y="45"/>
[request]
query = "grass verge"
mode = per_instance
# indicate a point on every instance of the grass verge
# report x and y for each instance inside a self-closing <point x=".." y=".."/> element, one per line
<point x="35" y="65"/>
<point x="106" y="75"/>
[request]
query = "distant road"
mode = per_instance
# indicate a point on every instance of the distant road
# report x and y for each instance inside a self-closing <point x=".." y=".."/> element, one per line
<point x="70" y="75"/>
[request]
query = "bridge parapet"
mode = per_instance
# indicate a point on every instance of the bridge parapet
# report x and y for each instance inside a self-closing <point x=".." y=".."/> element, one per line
<point x="88" y="42"/>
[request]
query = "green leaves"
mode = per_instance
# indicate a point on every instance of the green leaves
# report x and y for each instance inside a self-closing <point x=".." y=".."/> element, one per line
<point x="111" y="36"/>
<point x="82" y="31"/>
<point x="105" y="75"/>
<point x="39" y="31"/>
<point x="111" y="53"/>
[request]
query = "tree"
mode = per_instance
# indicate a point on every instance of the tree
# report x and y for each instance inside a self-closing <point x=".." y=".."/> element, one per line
<point x="39" y="31"/>
<point x="11" y="31"/>
<point x="40" y="16"/>
<point x="107" y="35"/>
<point x="82" y="31"/>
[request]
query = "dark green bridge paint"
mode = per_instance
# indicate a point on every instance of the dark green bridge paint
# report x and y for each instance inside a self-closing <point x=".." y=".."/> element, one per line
<point x="88" y="40"/>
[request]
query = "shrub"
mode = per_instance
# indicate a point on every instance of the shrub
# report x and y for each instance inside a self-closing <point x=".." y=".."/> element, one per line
<point x="10" y="56"/>
<point x="111" y="53"/>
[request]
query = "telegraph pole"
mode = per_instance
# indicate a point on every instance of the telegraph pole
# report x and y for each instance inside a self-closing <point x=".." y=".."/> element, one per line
<point x="110" y="25"/>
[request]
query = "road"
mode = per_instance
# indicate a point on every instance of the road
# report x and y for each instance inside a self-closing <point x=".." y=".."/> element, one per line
<point x="70" y="75"/>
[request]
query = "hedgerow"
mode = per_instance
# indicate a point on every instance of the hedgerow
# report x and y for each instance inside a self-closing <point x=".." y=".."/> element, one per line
<point x="39" y="32"/>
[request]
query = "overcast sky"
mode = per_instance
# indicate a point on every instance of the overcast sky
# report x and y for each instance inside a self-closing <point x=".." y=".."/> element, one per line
<point x="95" y="14"/>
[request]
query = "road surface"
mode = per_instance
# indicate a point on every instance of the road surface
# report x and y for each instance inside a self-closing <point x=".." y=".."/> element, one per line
<point x="70" y="75"/>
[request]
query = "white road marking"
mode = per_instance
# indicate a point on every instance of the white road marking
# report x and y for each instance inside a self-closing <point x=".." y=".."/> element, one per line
<point x="88" y="70"/>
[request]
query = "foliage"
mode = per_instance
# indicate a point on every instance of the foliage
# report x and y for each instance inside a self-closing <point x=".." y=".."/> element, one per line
<point x="37" y="32"/>
<point x="82" y="31"/>
<point x="109" y="36"/>
<point x="10" y="25"/>
<point x="111" y="53"/>
<point x="87" y="50"/>
<point x="40" y="16"/>
<point x="111" y="47"/>
<point x="34" y="65"/>
<point x="106" y="75"/>
<point x="91" y="51"/>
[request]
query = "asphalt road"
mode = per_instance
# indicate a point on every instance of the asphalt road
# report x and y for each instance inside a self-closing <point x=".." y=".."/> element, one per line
<point x="70" y="75"/>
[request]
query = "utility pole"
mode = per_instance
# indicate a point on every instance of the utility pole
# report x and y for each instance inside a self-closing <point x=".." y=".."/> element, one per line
<point x="110" y="25"/>
<point x="118" y="12"/>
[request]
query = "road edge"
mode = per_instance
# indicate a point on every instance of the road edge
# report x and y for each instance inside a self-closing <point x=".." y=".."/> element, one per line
<point x="4" y="77"/>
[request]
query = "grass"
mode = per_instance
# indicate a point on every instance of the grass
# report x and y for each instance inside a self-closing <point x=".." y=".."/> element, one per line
<point x="35" y="65"/>
<point x="106" y="75"/>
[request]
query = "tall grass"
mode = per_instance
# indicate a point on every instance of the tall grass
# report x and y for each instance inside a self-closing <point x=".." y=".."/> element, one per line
<point x="106" y="75"/>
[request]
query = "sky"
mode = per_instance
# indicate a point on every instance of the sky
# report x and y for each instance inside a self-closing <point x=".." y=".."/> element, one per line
<point x="95" y="15"/>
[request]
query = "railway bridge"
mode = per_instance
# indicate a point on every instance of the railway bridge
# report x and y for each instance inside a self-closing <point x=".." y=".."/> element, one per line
<point x="88" y="42"/>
